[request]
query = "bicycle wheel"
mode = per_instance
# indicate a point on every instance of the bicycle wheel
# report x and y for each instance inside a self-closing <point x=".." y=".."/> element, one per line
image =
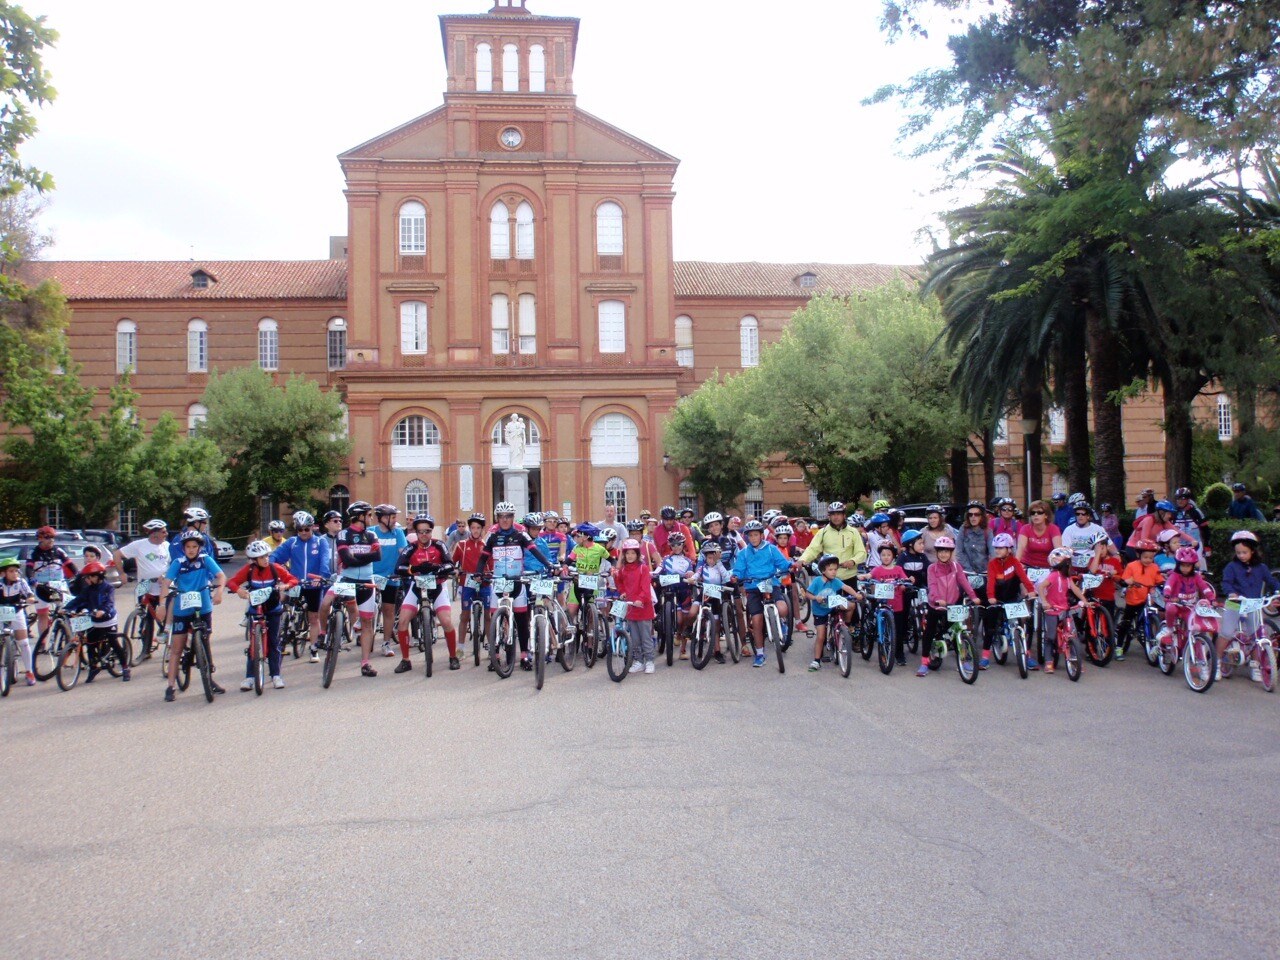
<point x="886" y="636"/>
<point x="201" y="644"/>
<point x="866" y="633"/>
<point x="1150" y="630"/>
<point x="568" y="654"/>
<point x="916" y="632"/>
<point x="477" y="630"/>
<point x="1101" y="645"/>
<point x="114" y="665"/>
<point x="426" y="626"/>
<point x="704" y="638"/>
<point x="335" y="634"/>
<point x="541" y="629"/>
<point x="184" y="666"/>
<point x="669" y="628"/>
<point x="502" y="643"/>
<point x="732" y="635"/>
<point x="7" y="670"/>
<point x="802" y="607"/>
<point x="49" y="648"/>
<point x="1074" y="655"/>
<point x="257" y="657"/>
<point x="586" y="635"/>
<point x="1267" y="665"/>
<point x="71" y="663"/>
<point x="966" y="659"/>
<point x="1019" y="644"/>
<point x="773" y="629"/>
<point x="133" y="630"/>
<point x="617" y="658"/>
<point x="1000" y="645"/>
<point x="1199" y="662"/>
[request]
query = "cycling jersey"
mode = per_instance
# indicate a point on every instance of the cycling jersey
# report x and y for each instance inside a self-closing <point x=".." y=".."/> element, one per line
<point x="821" y="588"/>
<point x="421" y="559"/>
<point x="358" y="551"/>
<point x="661" y="536"/>
<point x="468" y="555"/>
<point x="507" y="548"/>
<point x="548" y="546"/>
<point x="1004" y="579"/>
<point x="590" y="558"/>
<point x="274" y="576"/>
<point x="193" y="576"/>
<point x="305" y="558"/>
<point x="754" y="564"/>
<point x="844" y="543"/>
<point x="916" y="566"/>
<point x="392" y="542"/>
<point x="175" y="546"/>
<point x="45" y="566"/>
<point x="14" y="594"/>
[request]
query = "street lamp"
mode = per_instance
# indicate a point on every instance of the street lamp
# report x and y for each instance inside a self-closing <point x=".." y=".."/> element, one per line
<point x="361" y="466"/>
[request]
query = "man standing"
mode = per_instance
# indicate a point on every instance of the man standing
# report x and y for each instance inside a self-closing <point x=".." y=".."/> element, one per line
<point x="1146" y="503"/>
<point x="1242" y="505"/>
<point x="610" y="522"/>
<point x="668" y="526"/>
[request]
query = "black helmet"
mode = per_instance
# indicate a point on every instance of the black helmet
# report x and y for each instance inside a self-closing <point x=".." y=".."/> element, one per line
<point x="359" y="509"/>
<point x="635" y="524"/>
<point x="1182" y="492"/>
<point x="385" y="510"/>
<point x="667" y="513"/>
<point x="1239" y="487"/>
<point x="332" y="515"/>
<point x="477" y="518"/>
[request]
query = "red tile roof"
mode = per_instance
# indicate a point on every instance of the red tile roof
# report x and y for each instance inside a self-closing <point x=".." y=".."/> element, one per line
<point x="171" y="279"/>
<point x="702" y="278"/>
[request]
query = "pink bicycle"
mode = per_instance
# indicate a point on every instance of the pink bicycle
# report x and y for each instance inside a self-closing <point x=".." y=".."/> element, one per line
<point x="1251" y="643"/>
<point x="1191" y="642"/>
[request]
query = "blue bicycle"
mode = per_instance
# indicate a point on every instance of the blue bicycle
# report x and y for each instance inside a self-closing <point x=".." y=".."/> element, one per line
<point x="880" y="595"/>
<point x="618" y="654"/>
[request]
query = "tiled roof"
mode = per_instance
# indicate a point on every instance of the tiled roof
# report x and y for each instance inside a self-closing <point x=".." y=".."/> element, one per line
<point x="702" y="278"/>
<point x="171" y="279"/>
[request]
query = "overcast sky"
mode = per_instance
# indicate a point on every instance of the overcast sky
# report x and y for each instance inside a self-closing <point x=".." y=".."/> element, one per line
<point x="211" y="131"/>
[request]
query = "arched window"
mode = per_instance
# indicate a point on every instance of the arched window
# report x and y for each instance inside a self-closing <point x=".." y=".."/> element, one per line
<point x="537" y="69"/>
<point x="943" y="487"/>
<point x="749" y="338"/>
<point x="532" y="435"/>
<point x="615" y="495"/>
<point x="1057" y="425"/>
<point x="612" y="315"/>
<point x="754" y="500"/>
<point x="615" y="441"/>
<point x="1002" y="485"/>
<point x="126" y="346"/>
<point x="510" y="68"/>
<point x="528" y="323"/>
<point x="499" y="232"/>
<point x="417" y="498"/>
<point x="1059" y="485"/>
<point x="1224" y="417"/>
<point x="197" y="346"/>
<point x="500" y="455"/>
<point x="524" y="231"/>
<point x="337" y="343"/>
<point x="484" y="68"/>
<point x="268" y="344"/>
<point x="413" y="228"/>
<point x="609" y="229"/>
<point x="500" y="311"/>
<point x="413" y="327"/>
<point x="197" y="413"/>
<point x="415" y="445"/>
<point x="688" y="496"/>
<point x="339" y="498"/>
<point x="684" y="341"/>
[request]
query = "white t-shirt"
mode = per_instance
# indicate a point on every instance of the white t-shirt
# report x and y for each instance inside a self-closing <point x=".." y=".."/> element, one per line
<point x="1076" y="539"/>
<point x="153" y="558"/>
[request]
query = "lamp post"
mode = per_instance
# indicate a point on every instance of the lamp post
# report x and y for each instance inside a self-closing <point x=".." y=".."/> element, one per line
<point x="1029" y="426"/>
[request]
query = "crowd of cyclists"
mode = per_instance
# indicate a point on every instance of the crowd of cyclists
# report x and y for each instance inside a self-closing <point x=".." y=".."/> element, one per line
<point x="1058" y="583"/>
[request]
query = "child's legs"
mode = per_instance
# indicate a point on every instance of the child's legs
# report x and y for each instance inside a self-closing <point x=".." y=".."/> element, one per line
<point x="641" y="639"/>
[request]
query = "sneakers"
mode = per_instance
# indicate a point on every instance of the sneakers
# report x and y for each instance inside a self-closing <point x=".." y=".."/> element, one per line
<point x="1118" y="657"/>
<point x="1255" y="672"/>
<point x="246" y="684"/>
<point x="94" y="670"/>
<point x="404" y="666"/>
<point x="1032" y="663"/>
<point x="161" y="636"/>
<point x="31" y="679"/>
<point x="815" y="666"/>
<point x="718" y="657"/>
<point x="244" y="621"/>
<point x="984" y="663"/>
<point x="315" y="655"/>
<point x="217" y="688"/>
<point x="923" y="671"/>
<point x="759" y="660"/>
<point x="366" y="670"/>
<point x="648" y="667"/>
<point x="126" y="674"/>
<point x="170" y="694"/>
<point x="1048" y="668"/>
<point x="454" y="664"/>
<point x="526" y="663"/>
<point x="1217" y="670"/>
<point x="387" y="650"/>
<point x="900" y="662"/>
<point x="277" y="682"/>
<point x="636" y="667"/>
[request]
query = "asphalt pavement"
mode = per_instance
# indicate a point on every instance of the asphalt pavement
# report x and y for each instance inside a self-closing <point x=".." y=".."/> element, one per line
<point x="732" y="813"/>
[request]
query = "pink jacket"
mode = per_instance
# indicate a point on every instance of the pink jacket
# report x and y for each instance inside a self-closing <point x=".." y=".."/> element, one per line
<point x="946" y="581"/>
<point x="1179" y="586"/>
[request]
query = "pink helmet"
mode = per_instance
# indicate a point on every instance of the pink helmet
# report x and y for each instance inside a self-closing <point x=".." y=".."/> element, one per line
<point x="1187" y="555"/>
<point x="1164" y="536"/>
<point x="631" y="543"/>
<point x="944" y="543"/>
<point x="1002" y="540"/>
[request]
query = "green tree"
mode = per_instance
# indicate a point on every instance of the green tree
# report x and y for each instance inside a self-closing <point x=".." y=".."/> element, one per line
<point x="279" y="439"/>
<point x="170" y="469"/>
<point x="704" y="438"/>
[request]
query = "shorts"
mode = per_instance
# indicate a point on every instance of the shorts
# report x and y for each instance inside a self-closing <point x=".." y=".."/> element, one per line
<point x="821" y="619"/>
<point x="366" y="597"/>
<point x="441" y="598"/>
<point x="520" y="599"/>
<point x="311" y="598"/>
<point x="391" y="592"/>
<point x="20" y="623"/>
<point x="182" y="624"/>
<point x="468" y="594"/>
<point x="755" y="603"/>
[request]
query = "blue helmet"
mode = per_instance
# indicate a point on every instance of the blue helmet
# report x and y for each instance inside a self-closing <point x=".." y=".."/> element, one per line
<point x="877" y="519"/>
<point x="910" y="536"/>
<point x="1166" y="505"/>
<point x="588" y="530"/>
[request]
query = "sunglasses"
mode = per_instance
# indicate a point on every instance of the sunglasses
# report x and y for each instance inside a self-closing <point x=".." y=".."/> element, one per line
<point x="1037" y="513"/>
<point x="975" y="513"/>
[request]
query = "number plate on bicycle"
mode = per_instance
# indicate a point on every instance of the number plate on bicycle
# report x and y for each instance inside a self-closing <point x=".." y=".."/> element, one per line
<point x="1205" y="609"/>
<point x="191" y="600"/>
<point x="712" y="591"/>
<point x="380" y="582"/>
<point x="619" y="609"/>
<point x="1016" y="611"/>
<point x="472" y="583"/>
<point x="8" y="614"/>
<point x="1036" y="574"/>
<point x="884" y="591"/>
<point x="1252" y="604"/>
<point x="957" y="614"/>
<point x="588" y="581"/>
<point x="836" y="602"/>
<point x="59" y="585"/>
<point x="1091" y="581"/>
<point x="294" y="592"/>
<point x="260" y="596"/>
<point x="344" y="589"/>
<point x="143" y="588"/>
<point x="81" y="624"/>
<point x="544" y="588"/>
<point x="668" y="579"/>
<point x="501" y="585"/>
<point x="425" y="583"/>
<point x="765" y="586"/>
<point x="1081" y="558"/>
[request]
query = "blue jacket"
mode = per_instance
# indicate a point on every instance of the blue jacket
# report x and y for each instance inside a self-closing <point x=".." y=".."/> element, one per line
<point x="1252" y="581"/>
<point x="101" y="596"/>
<point x="1064" y="516"/>
<point x="304" y="558"/>
<point x="1244" y="509"/>
<point x="753" y="564"/>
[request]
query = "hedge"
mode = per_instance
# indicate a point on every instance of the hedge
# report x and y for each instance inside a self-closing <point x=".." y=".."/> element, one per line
<point x="1220" y="532"/>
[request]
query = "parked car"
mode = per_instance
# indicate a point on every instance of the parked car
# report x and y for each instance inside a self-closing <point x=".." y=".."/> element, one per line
<point x="113" y="538"/>
<point x="74" y="550"/>
<point x="225" y="550"/>
<point x="31" y="534"/>
<point x="954" y="512"/>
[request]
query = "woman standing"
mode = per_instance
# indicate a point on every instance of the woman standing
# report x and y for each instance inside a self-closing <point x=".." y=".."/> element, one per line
<point x="1038" y="537"/>
<point x="938" y="527"/>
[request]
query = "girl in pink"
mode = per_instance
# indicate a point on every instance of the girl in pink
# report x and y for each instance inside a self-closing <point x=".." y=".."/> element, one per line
<point x="634" y="583"/>
<point x="1185" y="584"/>
<point x="1038" y="537"/>
<point x="888" y="569"/>
<point x="947" y="581"/>
<point x="1055" y="592"/>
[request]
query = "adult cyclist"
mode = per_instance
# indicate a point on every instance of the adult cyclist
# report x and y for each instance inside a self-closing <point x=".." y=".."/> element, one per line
<point x="358" y="551"/>
<point x="307" y="557"/>
<point x="504" y="553"/>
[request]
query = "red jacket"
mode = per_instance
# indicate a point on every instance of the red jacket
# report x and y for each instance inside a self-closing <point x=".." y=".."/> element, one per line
<point x="660" y="535"/>
<point x="634" y="582"/>
<point x="468" y="554"/>
<point x="250" y="571"/>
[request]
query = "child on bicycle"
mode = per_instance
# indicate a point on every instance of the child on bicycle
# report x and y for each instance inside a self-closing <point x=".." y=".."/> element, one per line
<point x="826" y="584"/>
<point x="1246" y="577"/>
<point x="1185" y="585"/>
<point x="98" y="599"/>
<point x="677" y="563"/>
<point x="1106" y="564"/>
<point x="1167" y="558"/>
<point x="634" y="581"/>
<point x="710" y="569"/>
<point x="1140" y="577"/>
<point x="425" y="557"/>
<point x="888" y="569"/>
<point x="1055" y="593"/>
<point x="195" y="572"/>
<point x="947" y="581"/>
<point x="1007" y="582"/>
<point x="261" y="574"/>
<point x="15" y="594"/>
<point x="589" y="558"/>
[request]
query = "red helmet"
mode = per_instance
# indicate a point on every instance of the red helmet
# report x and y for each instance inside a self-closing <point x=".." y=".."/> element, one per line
<point x="93" y="566"/>
<point x="45" y="531"/>
<point x="1187" y="555"/>
<point x="1144" y="545"/>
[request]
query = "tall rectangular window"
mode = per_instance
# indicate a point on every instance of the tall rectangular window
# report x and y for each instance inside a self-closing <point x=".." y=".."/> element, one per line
<point x="197" y="346"/>
<point x="126" y="346"/>
<point x="1224" y="417"/>
<point x="613" y="326"/>
<point x="337" y="343"/>
<point x="537" y="69"/>
<point x="510" y="68"/>
<point x="684" y="341"/>
<point x="413" y="327"/>
<point x="127" y="520"/>
<point x="501" y="318"/>
<point x="528" y="323"/>
<point x="413" y="228"/>
<point x="524" y="232"/>
<point x="749" y="336"/>
<point x="268" y="345"/>
<point x="484" y="68"/>
<point x="1057" y="425"/>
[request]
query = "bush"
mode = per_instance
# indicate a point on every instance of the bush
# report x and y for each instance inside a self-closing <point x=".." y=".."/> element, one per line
<point x="1216" y="501"/>
<point x="1220" y="539"/>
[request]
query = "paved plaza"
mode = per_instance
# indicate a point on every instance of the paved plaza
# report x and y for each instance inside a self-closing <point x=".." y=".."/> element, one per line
<point x="732" y="813"/>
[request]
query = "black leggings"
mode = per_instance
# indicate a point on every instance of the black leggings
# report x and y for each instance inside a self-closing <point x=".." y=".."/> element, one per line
<point x="96" y="637"/>
<point x="937" y="627"/>
<point x="900" y="622"/>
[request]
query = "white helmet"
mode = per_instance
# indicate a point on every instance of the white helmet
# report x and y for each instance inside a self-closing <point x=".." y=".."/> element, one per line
<point x="712" y="517"/>
<point x="195" y="515"/>
<point x="504" y="507"/>
<point x="155" y="525"/>
<point x="256" y="549"/>
<point x="303" y="519"/>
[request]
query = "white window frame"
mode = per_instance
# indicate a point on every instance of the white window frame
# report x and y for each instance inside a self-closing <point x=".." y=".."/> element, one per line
<point x="1003" y="485"/>
<point x="197" y="346"/>
<point x="609" y="229"/>
<point x="684" y="340"/>
<point x="753" y="501"/>
<point x="1057" y="425"/>
<point x="417" y="497"/>
<point x="527" y="318"/>
<point x="510" y="68"/>
<point x="688" y="497"/>
<point x="336" y="343"/>
<point x="942" y="486"/>
<point x="499" y="232"/>
<point x="615" y="441"/>
<point x="53" y="516"/>
<point x="526" y="244"/>
<point x="126" y="347"/>
<point x="615" y="495"/>
<point x="537" y="69"/>
<point x="749" y="341"/>
<point x="268" y="344"/>
<point x="1059" y="485"/>
<point x="484" y="68"/>
<point x="500" y="323"/>
<point x="611" y="325"/>
<point x="1002" y="431"/>
<point x="197" y="413"/>
<point x="413" y="228"/>
<point x="414" y="328"/>
<point x="415" y="444"/>
<point x="127" y="520"/>
<point x="1225" y="421"/>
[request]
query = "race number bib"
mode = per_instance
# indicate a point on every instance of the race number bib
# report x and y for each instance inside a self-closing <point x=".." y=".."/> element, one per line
<point x="294" y="591"/>
<point x="8" y="614"/>
<point x="260" y="596"/>
<point x="765" y="586"/>
<point x="668" y="579"/>
<point x="957" y="614"/>
<point x="1206" y="609"/>
<point x="191" y="600"/>
<point x="425" y="583"/>
<point x="544" y="588"/>
<point x="837" y="602"/>
<point x="1016" y="611"/>
<point x="81" y="624"/>
<point x="1091" y="581"/>
<point x="1036" y="574"/>
<point x="344" y="589"/>
<point x="143" y="588"/>
<point x="619" y="609"/>
<point x="884" y="591"/>
<point x="712" y="591"/>
<point x="588" y="581"/>
<point x="1081" y="558"/>
<point x="502" y="585"/>
<point x="472" y="582"/>
<point x="379" y="582"/>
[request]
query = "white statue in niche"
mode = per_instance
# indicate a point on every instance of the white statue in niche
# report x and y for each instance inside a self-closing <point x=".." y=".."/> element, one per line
<point x="514" y="432"/>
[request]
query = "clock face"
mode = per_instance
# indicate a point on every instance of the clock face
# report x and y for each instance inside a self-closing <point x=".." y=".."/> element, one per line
<point x="511" y="138"/>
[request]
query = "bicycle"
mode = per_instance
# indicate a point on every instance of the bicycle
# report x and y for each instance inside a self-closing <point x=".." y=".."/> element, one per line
<point x="502" y="627"/>
<point x="1035" y="629"/>
<point x="1195" y="647"/>
<point x="706" y="626"/>
<point x="1012" y="636"/>
<point x="1251" y="643"/>
<point x="1069" y="646"/>
<point x="839" y="642"/>
<point x="338" y="631"/>
<point x="197" y="650"/>
<point x="618" y="654"/>
<point x="8" y="648"/>
<point x="588" y="627"/>
<point x="47" y="648"/>
<point x="667" y="614"/>
<point x="256" y="634"/>
<point x="293" y="623"/>
<point x="475" y="613"/>
<point x="423" y="624"/>
<point x="77" y="655"/>
<point x="772" y="620"/>
<point x="1099" y="628"/>
<point x="882" y="593"/>
<point x="140" y="624"/>
<point x="545" y="611"/>
<point x="956" y="637"/>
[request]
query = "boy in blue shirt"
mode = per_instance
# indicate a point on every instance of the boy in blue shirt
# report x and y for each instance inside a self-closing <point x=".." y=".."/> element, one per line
<point x="755" y="563"/>
<point x="194" y="573"/>
<point x="826" y="585"/>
